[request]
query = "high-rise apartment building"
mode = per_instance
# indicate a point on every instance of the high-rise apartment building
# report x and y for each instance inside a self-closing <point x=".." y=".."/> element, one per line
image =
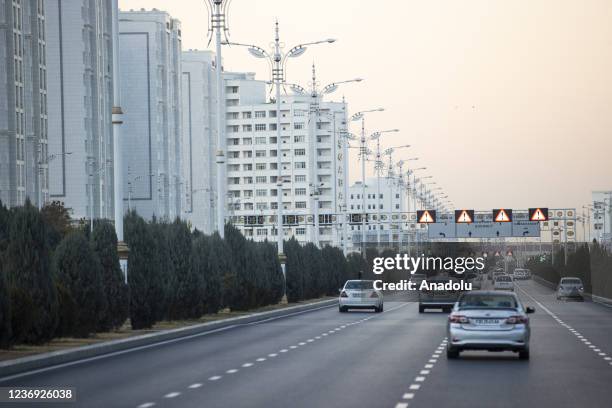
<point x="314" y="166"/>
<point x="151" y="76"/>
<point x="23" y="102"/>
<point x="199" y="112"/>
<point x="80" y="88"/>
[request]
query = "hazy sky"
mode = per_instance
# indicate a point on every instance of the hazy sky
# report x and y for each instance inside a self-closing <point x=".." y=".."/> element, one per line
<point x="507" y="102"/>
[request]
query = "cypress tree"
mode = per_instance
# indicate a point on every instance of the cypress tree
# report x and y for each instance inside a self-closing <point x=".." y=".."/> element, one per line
<point x="242" y="283"/>
<point x="294" y="271"/>
<point x="275" y="273"/>
<point x="5" y="304"/>
<point x="144" y="280"/>
<point x="221" y="268"/>
<point x="160" y="232"/>
<point x="205" y="264"/>
<point x="186" y="300"/>
<point x="104" y="241"/>
<point x="79" y="272"/>
<point x="31" y="289"/>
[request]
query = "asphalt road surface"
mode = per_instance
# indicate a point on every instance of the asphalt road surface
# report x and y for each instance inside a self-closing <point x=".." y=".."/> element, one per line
<point x="360" y="359"/>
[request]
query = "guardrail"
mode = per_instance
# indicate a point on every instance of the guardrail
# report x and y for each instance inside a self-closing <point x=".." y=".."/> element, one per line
<point x="597" y="299"/>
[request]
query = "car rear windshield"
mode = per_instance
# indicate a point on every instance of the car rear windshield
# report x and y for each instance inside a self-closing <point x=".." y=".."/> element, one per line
<point x="359" y="285"/>
<point x="493" y="301"/>
<point x="571" y="281"/>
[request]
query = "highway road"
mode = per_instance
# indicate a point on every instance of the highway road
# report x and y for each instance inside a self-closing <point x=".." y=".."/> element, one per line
<point x="360" y="359"/>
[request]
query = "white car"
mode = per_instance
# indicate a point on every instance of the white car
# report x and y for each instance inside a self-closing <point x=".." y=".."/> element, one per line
<point x="570" y="288"/>
<point x="503" y="282"/>
<point x="360" y="294"/>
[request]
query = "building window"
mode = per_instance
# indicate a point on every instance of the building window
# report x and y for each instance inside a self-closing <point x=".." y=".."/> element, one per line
<point x="246" y="115"/>
<point x="261" y="193"/>
<point x="260" y="140"/>
<point x="262" y="206"/>
<point x="262" y="232"/>
<point x="300" y="165"/>
<point x="248" y="180"/>
<point x="300" y="178"/>
<point x="299" y="152"/>
<point x="260" y="153"/>
<point x="272" y="126"/>
<point x="247" y="167"/>
<point x="300" y="191"/>
<point x="260" y="114"/>
<point x="247" y="141"/>
<point x="300" y="204"/>
<point x="247" y="154"/>
<point x="260" y="166"/>
<point x="247" y="128"/>
<point x="300" y="231"/>
<point x="272" y="114"/>
<point x="261" y="179"/>
<point x="233" y="115"/>
<point x="260" y="127"/>
<point x="298" y="125"/>
<point x="233" y="129"/>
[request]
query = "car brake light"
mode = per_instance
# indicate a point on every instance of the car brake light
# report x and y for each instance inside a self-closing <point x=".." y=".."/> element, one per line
<point x="374" y="295"/>
<point x="457" y="319"/>
<point x="343" y="294"/>
<point x="517" y="320"/>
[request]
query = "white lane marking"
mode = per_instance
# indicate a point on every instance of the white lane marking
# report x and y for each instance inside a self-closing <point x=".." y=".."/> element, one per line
<point x="284" y="350"/>
<point x="301" y="343"/>
<point x="433" y="361"/>
<point x="408" y="395"/>
<point x="607" y="358"/>
<point x="310" y="340"/>
<point x="428" y="365"/>
<point x="401" y="405"/>
<point x="424" y="372"/>
<point x="269" y="355"/>
<point x="172" y="395"/>
<point x="260" y="359"/>
<point x="318" y="337"/>
<point x="146" y="405"/>
<point x="415" y="386"/>
<point x="293" y="347"/>
<point x="246" y="365"/>
<point x="584" y="340"/>
<point x="194" y="386"/>
<point x="214" y="378"/>
<point x="419" y="379"/>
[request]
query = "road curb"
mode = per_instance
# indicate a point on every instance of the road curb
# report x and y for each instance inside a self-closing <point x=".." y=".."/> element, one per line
<point x="40" y="361"/>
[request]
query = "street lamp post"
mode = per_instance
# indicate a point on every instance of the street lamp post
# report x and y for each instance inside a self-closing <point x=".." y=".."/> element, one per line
<point x="316" y="94"/>
<point x="217" y="10"/>
<point x="278" y="60"/>
<point x="363" y="154"/>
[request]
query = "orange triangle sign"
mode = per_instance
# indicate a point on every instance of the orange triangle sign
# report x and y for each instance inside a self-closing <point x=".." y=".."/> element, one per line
<point x="502" y="216"/>
<point x="426" y="218"/>
<point x="538" y="215"/>
<point x="465" y="217"/>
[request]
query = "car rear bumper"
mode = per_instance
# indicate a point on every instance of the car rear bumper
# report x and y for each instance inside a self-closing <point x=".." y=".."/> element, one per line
<point x="514" y="339"/>
<point x="359" y="303"/>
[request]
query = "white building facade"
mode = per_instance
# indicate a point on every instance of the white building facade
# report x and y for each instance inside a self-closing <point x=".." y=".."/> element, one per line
<point x="387" y="221"/>
<point x="23" y="102"/>
<point x="80" y="60"/>
<point x="151" y="77"/>
<point x="314" y="165"/>
<point x="601" y="216"/>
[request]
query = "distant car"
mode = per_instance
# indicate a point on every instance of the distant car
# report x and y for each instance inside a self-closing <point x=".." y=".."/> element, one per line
<point x="497" y="274"/>
<point x="360" y="294"/>
<point x="492" y="321"/>
<point x="521" y="274"/>
<point x="437" y="299"/>
<point x="503" y="282"/>
<point x="570" y="288"/>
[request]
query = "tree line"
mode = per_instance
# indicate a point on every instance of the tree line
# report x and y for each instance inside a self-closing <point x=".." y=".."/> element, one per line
<point x="592" y="263"/>
<point x="58" y="279"/>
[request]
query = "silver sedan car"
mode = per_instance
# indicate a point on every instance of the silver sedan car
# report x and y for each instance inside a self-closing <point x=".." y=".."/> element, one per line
<point x="360" y="294"/>
<point x="570" y="288"/>
<point x="488" y="320"/>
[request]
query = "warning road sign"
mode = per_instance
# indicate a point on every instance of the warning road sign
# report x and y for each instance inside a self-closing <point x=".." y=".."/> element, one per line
<point x="464" y="216"/>
<point x="538" y="214"/>
<point x="426" y="217"/>
<point x="502" y="215"/>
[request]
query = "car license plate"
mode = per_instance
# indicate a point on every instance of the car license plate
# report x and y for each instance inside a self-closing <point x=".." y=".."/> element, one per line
<point x="482" y="322"/>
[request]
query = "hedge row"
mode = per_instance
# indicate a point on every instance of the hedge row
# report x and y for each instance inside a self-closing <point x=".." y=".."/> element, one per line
<point x="591" y="263"/>
<point x="59" y="280"/>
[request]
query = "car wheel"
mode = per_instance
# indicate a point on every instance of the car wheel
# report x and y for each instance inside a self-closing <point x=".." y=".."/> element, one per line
<point x="524" y="355"/>
<point x="421" y="309"/>
<point x="382" y="307"/>
<point x="342" y="309"/>
<point x="452" y="353"/>
<point x="377" y="310"/>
